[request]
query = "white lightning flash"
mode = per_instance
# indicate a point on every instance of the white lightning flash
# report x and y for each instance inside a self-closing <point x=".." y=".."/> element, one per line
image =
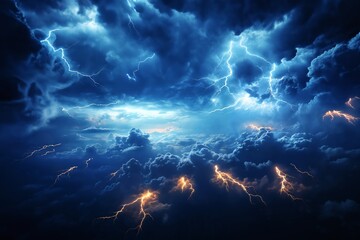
<point x="133" y="76"/>
<point x="242" y="45"/>
<point x="222" y="82"/>
<point x="273" y="68"/>
<point x="63" y="57"/>
<point x="131" y="25"/>
<point x="89" y="106"/>
<point x="48" y="152"/>
<point x="300" y="171"/>
<point x="270" y="81"/>
<point x="87" y="162"/>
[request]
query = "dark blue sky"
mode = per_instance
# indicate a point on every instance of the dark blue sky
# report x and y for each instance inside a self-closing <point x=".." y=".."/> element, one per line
<point x="153" y="90"/>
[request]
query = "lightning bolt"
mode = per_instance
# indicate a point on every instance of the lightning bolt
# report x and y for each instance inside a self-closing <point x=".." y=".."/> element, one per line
<point x="132" y="25"/>
<point x="113" y="174"/>
<point x="129" y="2"/>
<point x="286" y="186"/>
<point x="273" y="68"/>
<point x="302" y="172"/>
<point x="68" y="110"/>
<point x="184" y="183"/>
<point x="349" y="102"/>
<point x="87" y="162"/>
<point x="133" y="77"/>
<point x="226" y="179"/>
<point x="144" y="199"/>
<point x="66" y="172"/>
<point x="48" y="152"/>
<point x="230" y="71"/>
<point x="226" y="107"/>
<point x="41" y="149"/>
<point x="91" y="105"/>
<point x="64" y="58"/>
<point x="241" y="44"/>
<point x="335" y="113"/>
<point x="224" y="80"/>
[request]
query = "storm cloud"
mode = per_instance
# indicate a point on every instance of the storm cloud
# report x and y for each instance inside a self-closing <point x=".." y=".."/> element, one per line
<point x="136" y="94"/>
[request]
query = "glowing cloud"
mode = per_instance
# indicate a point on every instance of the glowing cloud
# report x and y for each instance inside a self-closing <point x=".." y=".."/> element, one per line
<point x="256" y="127"/>
<point x="335" y="113"/>
<point x="239" y="98"/>
<point x="167" y="129"/>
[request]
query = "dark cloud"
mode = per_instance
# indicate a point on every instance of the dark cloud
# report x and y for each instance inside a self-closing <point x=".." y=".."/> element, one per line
<point x="164" y="165"/>
<point x="234" y="16"/>
<point x="257" y="145"/>
<point x="17" y="43"/>
<point x="96" y="130"/>
<point x="339" y="209"/>
<point x="131" y="167"/>
<point x="343" y="213"/>
<point x="336" y="71"/>
<point x="260" y="165"/>
<point x="101" y="194"/>
<point x="137" y="138"/>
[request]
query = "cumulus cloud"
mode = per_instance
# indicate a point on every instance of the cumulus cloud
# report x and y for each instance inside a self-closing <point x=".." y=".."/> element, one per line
<point x="137" y="138"/>
<point x="325" y="74"/>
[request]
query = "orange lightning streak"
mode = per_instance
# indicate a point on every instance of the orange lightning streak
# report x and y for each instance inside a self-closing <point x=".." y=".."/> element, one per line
<point x="349" y="102"/>
<point x="226" y="179"/>
<point x="65" y="172"/>
<point x="43" y="148"/>
<point x="184" y="183"/>
<point x="113" y="174"/>
<point x="286" y="186"/>
<point x="302" y="172"/>
<point x="334" y="113"/>
<point x="145" y="198"/>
